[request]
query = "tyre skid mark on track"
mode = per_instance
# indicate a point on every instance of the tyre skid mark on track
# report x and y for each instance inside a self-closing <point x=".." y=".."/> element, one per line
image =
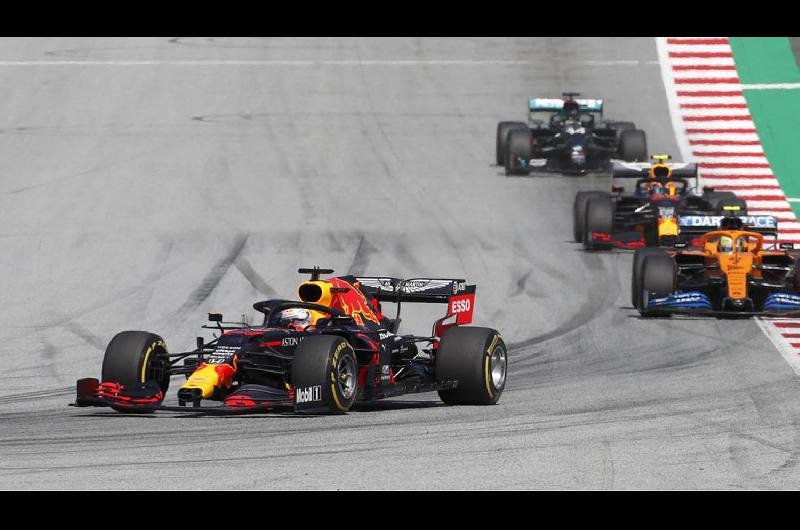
<point x="27" y="396"/>
<point x="213" y="277"/>
<point x="594" y="305"/>
<point x="255" y="279"/>
<point x="361" y="258"/>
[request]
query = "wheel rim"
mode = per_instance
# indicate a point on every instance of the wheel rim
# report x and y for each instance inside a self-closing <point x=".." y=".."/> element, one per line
<point x="497" y="366"/>
<point x="156" y="369"/>
<point x="346" y="376"/>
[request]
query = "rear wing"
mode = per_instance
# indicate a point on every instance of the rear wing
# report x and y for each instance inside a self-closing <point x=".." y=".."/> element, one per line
<point x="686" y="170"/>
<point x="556" y="104"/>
<point x="456" y="293"/>
<point x="700" y="224"/>
<point x="623" y="172"/>
<point x="420" y="290"/>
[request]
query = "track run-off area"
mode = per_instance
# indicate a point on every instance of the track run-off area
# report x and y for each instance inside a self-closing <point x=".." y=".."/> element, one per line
<point x="147" y="182"/>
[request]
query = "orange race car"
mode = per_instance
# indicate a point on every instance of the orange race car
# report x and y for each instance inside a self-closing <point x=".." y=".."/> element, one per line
<point x="728" y="272"/>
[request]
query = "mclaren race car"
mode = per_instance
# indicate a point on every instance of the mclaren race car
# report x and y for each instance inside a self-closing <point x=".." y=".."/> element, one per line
<point x="650" y="205"/>
<point x="322" y="353"/>
<point x="730" y="272"/>
<point x="569" y="135"/>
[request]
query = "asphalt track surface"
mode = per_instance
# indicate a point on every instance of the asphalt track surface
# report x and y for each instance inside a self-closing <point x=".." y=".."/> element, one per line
<point x="139" y="194"/>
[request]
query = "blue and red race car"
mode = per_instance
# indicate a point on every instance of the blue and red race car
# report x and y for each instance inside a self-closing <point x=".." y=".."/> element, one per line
<point x="321" y="353"/>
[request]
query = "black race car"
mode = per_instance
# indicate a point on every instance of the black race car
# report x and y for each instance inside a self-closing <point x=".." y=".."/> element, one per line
<point x="659" y="208"/>
<point x="568" y="135"/>
<point x="322" y="353"/>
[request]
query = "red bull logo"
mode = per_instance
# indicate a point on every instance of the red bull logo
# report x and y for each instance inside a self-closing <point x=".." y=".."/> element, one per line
<point x="338" y="294"/>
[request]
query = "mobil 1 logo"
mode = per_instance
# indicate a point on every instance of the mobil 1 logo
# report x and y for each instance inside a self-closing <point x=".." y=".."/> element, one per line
<point x="308" y="394"/>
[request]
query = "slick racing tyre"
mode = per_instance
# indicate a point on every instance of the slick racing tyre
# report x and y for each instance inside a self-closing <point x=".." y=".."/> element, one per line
<point x="658" y="278"/>
<point x="475" y="357"/>
<point x="136" y="357"/>
<point x="519" y="147"/>
<point x="324" y="374"/>
<point x="636" y="275"/>
<point x="503" y="128"/>
<point x="579" y="212"/>
<point x="599" y="218"/>
<point x="633" y="146"/>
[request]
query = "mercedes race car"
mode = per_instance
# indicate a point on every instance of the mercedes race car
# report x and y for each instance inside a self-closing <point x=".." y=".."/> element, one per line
<point x="322" y="353"/>
<point x="566" y="134"/>
<point x="650" y="205"/>
<point x="730" y="272"/>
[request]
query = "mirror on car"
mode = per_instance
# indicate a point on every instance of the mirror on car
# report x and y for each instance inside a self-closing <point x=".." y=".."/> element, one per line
<point x="215" y="317"/>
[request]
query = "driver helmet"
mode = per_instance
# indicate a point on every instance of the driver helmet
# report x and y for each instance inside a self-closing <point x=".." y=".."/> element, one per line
<point x="296" y="318"/>
<point x="571" y="109"/>
<point x="741" y="244"/>
<point x="725" y="244"/>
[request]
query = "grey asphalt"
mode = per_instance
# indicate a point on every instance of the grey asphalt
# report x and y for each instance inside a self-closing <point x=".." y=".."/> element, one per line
<point x="136" y="193"/>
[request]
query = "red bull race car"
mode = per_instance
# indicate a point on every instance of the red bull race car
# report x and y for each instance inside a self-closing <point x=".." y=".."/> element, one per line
<point x="650" y="205"/>
<point x="322" y="353"/>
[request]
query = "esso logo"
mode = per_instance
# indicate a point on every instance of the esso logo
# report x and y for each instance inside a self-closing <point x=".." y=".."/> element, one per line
<point x="460" y="306"/>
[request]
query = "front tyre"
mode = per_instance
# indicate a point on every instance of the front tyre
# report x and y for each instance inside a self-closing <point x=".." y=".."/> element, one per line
<point x="136" y="357"/>
<point x="477" y="359"/>
<point x="325" y="374"/>
<point x="599" y="219"/>
<point x="518" y="151"/>
<point x="636" y="275"/>
<point x="659" y="279"/>
<point x="579" y="212"/>
<point x="503" y="128"/>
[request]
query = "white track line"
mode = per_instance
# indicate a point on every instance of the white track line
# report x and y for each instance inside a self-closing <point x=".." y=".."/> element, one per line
<point x="772" y="86"/>
<point x="344" y="62"/>
<point x="784" y="347"/>
<point x="332" y="62"/>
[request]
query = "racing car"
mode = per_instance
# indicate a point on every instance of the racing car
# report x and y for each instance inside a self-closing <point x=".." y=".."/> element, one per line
<point x="731" y="272"/>
<point x="648" y="212"/>
<point x="322" y="353"/>
<point x="569" y="134"/>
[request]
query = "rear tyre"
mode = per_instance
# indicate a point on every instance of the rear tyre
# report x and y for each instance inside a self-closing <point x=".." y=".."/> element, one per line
<point x="633" y="145"/>
<point x="658" y="278"/>
<point x="503" y="128"/>
<point x="518" y="147"/>
<point x="636" y="275"/>
<point x="325" y="371"/>
<point x="136" y="357"/>
<point x="579" y="212"/>
<point x="475" y="357"/>
<point x="599" y="218"/>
